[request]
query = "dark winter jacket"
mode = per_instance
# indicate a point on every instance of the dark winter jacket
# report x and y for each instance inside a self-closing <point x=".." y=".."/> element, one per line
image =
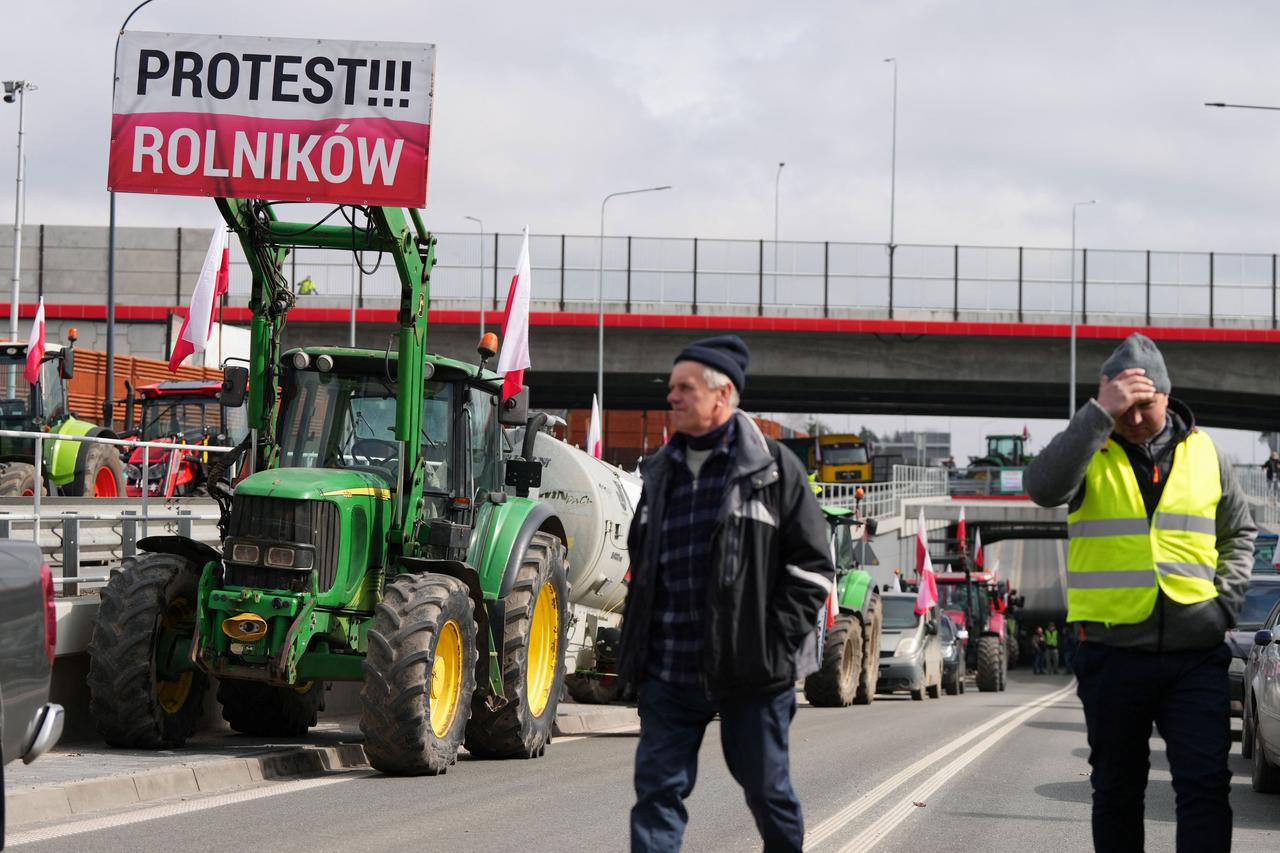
<point x="770" y="571"/>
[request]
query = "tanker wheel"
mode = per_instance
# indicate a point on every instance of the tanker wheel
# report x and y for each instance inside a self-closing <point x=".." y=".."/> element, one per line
<point x="254" y="708"/>
<point x="103" y="474"/>
<point x="990" y="664"/>
<point x="866" y="692"/>
<point x="534" y="639"/>
<point x="419" y="675"/>
<point x="18" y="480"/>
<point x="147" y="609"/>
<point x="835" y="683"/>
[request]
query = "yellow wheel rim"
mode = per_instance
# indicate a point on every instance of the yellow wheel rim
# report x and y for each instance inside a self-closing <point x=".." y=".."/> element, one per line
<point x="446" y="678"/>
<point x="172" y="695"/>
<point x="544" y="645"/>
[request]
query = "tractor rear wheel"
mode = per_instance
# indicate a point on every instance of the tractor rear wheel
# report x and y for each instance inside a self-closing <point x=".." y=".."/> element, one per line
<point x="1011" y="649"/>
<point x="147" y="609"/>
<point x="419" y="675"/>
<point x="17" y="480"/>
<point x="835" y="684"/>
<point x="103" y="474"/>
<point x="866" y="692"/>
<point x="254" y="708"/>
<point x="990" y="663"/>
<point x="533" y="647"/>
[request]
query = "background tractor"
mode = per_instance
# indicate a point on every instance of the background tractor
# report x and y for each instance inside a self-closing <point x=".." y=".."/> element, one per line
<point x="373" y="542"/>
<point x="980" y="606"/>
<point x="73" y="468"/>
<point x="851" y="646"/>
<point x="179" y="412"/>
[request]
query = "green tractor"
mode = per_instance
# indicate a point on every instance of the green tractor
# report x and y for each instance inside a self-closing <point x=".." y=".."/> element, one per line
<point x="851" y="646"/>
<point x="373" y="542"/>
<point x="71" y="468"/>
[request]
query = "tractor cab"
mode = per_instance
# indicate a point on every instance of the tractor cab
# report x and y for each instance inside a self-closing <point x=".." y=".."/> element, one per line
<point x="24" y="406"/>
<point x="179" y="412"/>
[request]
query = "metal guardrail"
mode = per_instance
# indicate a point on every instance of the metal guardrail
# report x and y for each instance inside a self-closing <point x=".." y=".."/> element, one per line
<point x="1264" y="497"/>
<point x="83" y="532"/>
<point x="884" y="500"/>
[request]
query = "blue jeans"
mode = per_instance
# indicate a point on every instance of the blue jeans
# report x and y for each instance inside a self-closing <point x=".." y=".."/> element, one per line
<point x="1185" y="695"/>
<point x="754" y="736"/>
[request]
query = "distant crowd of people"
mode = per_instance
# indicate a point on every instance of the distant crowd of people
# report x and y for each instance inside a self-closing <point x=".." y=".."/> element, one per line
<point x="1052" y="650"/>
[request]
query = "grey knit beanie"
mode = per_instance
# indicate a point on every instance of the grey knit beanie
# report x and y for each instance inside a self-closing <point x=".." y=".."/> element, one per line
<point x="1138" y="350"/>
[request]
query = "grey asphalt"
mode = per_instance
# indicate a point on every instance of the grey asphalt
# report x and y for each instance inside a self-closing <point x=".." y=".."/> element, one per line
<point x="1028" y="791"/>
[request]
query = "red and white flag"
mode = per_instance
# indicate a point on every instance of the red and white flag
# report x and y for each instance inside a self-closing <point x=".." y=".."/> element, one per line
<point x="514" y="358"/>
<point x="593" y="429"/>
<point x="197" y="328"/>
<point x="664" y="434"/>
<point x="35" y="346"/>
<point x="960" y="530"/>
<point x="978" y="558"/>
<point x="927" y="596"/>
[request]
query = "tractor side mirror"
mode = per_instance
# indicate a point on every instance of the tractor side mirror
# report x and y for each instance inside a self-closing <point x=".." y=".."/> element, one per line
<point x="235" y="383"/>
<point x="68" y="365"/>
<point x="514" y="411"/>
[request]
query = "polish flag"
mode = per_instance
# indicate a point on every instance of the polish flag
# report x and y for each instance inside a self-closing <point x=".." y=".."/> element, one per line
<point x="593" y="429"/>
<point x="197" y="328"/>
<point x="978" y="557"/>
<point x="927" y="597"/>
<point x="960" y="530"/>
<point x="35" y="346"/>
<point x="514" y="358"/>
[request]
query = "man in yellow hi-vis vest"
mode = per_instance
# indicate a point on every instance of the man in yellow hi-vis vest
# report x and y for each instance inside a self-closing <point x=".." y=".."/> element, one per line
<point x="1159" y="557"/>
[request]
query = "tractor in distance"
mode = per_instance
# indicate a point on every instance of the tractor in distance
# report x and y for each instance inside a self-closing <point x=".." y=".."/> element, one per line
<point x="179" y="412"/>
<point x="71" y="468"/>
<point x="851" y="632"/>
<point x="374" y="542"/>
<point x="981" y="607"/>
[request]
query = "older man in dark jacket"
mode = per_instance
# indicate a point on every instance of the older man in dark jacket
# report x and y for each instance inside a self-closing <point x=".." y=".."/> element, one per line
<point x="730" y="569"/>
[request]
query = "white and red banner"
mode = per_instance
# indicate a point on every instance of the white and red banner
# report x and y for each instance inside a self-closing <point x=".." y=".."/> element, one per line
<point x="978" y="557"/>
<point x="210" y="286"/>
<point x="961" y="531"/>
<point x="289" y="119"/>
<point x="35" y="346"/>
<point x="593" y="428"/>
<point x="513" y="360"/>
<point x="927" y="596"/>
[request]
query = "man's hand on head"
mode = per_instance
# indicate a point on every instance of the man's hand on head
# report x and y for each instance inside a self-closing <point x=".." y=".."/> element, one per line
<point x="1129" y="388"/>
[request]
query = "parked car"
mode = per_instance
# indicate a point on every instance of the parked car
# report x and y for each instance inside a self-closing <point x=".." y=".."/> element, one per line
<point x="1265" y="559"/>
<point x="910" y="652"/>
<point x="953" y="665"/>
<point x="29" y="724"/>
<point x="1263" y="593"/>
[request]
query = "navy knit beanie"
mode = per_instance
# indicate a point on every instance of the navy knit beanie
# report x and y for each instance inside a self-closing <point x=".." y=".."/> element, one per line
<point x="726" y="353"/>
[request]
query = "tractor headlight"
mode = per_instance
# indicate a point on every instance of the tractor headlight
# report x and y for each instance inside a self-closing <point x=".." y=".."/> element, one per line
<point x="242" y="553"/>
<point x="282" y="557"/>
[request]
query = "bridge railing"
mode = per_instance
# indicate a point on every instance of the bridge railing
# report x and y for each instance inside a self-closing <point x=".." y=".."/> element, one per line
<point x="884" y="500"/>
<point x="1264" y="496"/>
<point x="798" y="278"/>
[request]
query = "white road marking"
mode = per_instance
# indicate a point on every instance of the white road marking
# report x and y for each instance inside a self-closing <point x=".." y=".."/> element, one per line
<point x="181" y="808"/>
<point x="842" y="818"/>
<point x="900" y="811"/>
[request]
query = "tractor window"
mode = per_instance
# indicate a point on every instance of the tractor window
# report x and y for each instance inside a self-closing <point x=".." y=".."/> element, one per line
<point x="188" y="417"/>
<point x="1003" y="447"/>
<point x="484" y="439"/>
<point x="843" y="546"/>
<point x="53" y="394"/>
<point x="235" y="424"/>
<point x="15" y="394"/>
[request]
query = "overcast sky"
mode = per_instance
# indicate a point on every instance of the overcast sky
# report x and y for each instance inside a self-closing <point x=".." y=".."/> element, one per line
<point x="1007" y="113"/>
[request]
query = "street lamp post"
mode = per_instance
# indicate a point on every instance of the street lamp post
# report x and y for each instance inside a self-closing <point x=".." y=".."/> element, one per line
<point x="16" y="90"/>
<point x="1071" y="404"/>
<point x="108" y="410"/>
<point x="600" y="298"/>
<point x="480" y="224"/>
<point x="777" y="182"/>
<point x="893" y="153"/>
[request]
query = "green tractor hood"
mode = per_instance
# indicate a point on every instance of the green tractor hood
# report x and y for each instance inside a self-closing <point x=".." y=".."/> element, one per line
<point x="314" y="484"/>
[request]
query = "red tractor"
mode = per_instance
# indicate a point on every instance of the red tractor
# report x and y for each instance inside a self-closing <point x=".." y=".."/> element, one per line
<point x="980" y="606"/>
<point x="183" y="413"/>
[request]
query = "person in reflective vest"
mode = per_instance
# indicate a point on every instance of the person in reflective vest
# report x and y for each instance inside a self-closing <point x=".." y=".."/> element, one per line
<point x="1158" y="561"/>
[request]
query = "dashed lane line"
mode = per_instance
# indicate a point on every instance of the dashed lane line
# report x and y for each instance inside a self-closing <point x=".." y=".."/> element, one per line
<point x="832" y="825"/>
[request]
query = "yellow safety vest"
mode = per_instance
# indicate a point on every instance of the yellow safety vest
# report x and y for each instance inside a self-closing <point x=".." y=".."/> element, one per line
<point x="1118" y="559"/>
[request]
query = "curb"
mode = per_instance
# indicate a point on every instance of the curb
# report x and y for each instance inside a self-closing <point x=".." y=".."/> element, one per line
<point x="54" y="802"/>
<point x="605" y="720"/>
